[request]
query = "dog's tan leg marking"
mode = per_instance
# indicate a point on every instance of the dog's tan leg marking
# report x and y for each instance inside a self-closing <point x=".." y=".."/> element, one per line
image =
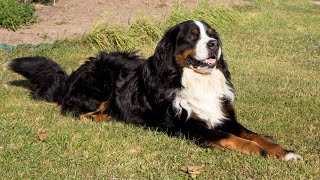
<point x="272" y="149"/>
<point x="238" y="144"/>
<point x="98" y="115"/>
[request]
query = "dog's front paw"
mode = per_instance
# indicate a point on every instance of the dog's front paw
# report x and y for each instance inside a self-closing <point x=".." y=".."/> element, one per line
<point x="284" y="154"/>
<point x="291" y="156"/>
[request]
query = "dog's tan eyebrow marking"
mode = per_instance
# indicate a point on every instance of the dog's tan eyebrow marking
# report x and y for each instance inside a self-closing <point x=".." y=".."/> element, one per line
<point x="210" y="32"/>
<point x="194" y="31"/>
<point x="182" y="57"/>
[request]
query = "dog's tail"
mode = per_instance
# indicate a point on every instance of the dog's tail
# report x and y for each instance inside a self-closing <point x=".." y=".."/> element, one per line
<point x="46" y="76"/>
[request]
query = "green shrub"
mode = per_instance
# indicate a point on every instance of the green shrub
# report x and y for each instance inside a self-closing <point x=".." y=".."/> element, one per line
<point x="13" y="14"/>
<point x="43" y="1"/>
<point x="39" y="1"/>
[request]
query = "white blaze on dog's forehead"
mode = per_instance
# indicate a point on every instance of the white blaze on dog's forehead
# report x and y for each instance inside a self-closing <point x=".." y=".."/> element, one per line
<point x="203" y="32"/>
<point x="201" y="47"/>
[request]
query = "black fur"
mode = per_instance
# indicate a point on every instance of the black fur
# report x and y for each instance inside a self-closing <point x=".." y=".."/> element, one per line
<point x="137" y="91"/>
<point x="46" y="76"/>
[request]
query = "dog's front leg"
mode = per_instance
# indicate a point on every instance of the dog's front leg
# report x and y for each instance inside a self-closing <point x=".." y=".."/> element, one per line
<point x="212" y="138"/>
<point x="272" y="149"/>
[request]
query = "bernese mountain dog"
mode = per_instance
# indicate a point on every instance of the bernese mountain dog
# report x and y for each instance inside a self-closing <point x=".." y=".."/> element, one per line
<point x="184" y="88"/>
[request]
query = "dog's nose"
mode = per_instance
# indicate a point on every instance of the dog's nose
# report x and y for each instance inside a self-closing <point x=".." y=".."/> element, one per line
<point x="212" y="44"/>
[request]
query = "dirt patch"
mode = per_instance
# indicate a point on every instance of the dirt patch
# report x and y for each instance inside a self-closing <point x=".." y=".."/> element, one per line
<point x="72" y="18"/>
<point x="316" y="2"/>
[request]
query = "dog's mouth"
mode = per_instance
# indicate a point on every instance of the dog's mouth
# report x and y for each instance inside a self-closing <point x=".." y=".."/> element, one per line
<point x="207" y="63"/>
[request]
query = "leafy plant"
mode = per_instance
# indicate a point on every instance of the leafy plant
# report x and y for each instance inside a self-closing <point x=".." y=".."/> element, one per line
<point x="39" y="1"/>
<point x="14" y="14"/>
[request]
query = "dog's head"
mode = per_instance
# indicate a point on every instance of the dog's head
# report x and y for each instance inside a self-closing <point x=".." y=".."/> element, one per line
<point x="191" y="44"/>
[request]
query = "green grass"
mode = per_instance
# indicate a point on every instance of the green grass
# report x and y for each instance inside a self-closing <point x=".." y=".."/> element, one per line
<point x="273" y="52"/>
<point x="14" y="14"/>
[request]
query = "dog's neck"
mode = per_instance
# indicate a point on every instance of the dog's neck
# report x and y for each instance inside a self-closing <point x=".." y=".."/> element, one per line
<point x="202" y="94"/>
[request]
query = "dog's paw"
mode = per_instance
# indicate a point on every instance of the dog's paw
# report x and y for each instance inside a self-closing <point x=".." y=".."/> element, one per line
<point x="291" y="156"/>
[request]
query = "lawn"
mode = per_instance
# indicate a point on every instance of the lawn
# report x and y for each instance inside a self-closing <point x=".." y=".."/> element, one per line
<point x="273" y="52"/>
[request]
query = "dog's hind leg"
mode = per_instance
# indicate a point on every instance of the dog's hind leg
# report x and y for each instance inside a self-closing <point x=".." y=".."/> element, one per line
<point x="99" y="115"/>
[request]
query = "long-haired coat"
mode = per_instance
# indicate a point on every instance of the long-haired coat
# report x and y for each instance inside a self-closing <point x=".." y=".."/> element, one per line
<point x="183" y="87"/>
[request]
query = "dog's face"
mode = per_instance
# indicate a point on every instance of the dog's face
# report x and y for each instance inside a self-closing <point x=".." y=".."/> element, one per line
<point x="197" y="46"/>
<point x="191" y="44"/>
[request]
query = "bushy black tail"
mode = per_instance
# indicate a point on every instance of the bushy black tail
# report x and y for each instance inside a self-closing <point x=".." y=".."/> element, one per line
<point x="46" y="76"/>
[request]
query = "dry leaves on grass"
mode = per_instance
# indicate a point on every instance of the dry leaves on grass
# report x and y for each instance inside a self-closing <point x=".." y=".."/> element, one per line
<point x="143" y="168"/>
<point x="43" y="135"/>
<point x="194" y="171"/>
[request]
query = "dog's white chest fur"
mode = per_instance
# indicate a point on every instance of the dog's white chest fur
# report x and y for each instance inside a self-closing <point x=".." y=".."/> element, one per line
<point x="201" y="96"/>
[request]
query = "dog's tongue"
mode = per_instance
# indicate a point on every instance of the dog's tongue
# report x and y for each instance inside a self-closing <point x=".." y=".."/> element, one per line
<point x="210" y="61"/>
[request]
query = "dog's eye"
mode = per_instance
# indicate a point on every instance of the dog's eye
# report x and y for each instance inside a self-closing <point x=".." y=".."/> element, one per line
<point x="193" y="36"/>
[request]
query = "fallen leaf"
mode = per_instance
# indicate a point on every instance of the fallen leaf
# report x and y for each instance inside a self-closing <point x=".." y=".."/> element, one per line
<point x="194" y="171"/>
<point x="43" y="135"/>
<point x="135" y="150"/>
<point x="143" y="168"/>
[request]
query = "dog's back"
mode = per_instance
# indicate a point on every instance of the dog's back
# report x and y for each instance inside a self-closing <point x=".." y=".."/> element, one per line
<point x="93" y="82"/>
<point x="86" y="88"/>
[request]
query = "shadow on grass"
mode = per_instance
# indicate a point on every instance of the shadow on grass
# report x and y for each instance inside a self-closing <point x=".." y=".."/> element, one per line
<point x="21" y="83"/>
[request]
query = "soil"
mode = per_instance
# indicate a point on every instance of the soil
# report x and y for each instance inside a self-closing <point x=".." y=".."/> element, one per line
<point x="74" y="18"/>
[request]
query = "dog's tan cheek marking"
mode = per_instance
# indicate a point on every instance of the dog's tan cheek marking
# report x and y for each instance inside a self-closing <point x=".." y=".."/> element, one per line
<point x="98" y="115"/>
<point x="182" y="57"/>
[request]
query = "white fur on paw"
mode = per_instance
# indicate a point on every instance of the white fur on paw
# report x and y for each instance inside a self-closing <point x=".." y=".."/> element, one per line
<point x="292" y="156"/>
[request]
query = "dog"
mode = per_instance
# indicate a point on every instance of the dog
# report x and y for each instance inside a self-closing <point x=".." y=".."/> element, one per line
<point x="183" y="88"/>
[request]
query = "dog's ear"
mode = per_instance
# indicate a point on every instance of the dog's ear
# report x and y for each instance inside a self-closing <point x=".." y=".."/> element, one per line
<point x="160" y="74"/>
<point x="221" y="63"/>
<point x="223" y="66"/>
<point x="164" y="52"/>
